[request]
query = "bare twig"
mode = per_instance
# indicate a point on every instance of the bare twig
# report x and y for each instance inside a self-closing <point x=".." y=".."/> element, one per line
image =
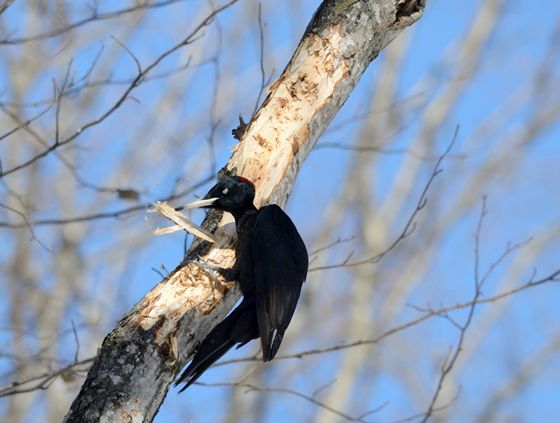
<point x="4" y="5"/>
<point x="449" y="363"/>
<point x="104" y="215"/>
<point x="44" y="380"/>
<point x="430" y="313"/>
<point x="77" y="341"/>
<point x="264" y="81"/>
<point x="95" y="17"/>
<point x="410" y="225"/>
<point x="27" y="224"/>
<point x="125" y="95"/>
<point x="310" y="398"/>
<point x="21" y="124"/>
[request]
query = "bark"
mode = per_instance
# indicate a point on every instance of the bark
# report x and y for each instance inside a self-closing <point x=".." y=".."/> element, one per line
<point x="143" y="354"/>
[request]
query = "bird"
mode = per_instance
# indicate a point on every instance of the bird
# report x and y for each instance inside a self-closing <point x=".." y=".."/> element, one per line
<point x="270" y="266"/>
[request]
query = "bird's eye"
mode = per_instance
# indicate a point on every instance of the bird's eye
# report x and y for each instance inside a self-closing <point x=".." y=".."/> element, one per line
<point x="225" y="191"/>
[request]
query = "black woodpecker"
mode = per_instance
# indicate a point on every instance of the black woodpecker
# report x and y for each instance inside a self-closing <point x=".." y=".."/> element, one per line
<point x="271" y="266"/>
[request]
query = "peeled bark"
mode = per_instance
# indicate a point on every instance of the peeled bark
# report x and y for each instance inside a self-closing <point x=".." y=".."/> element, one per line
<point x="143" y="354"/>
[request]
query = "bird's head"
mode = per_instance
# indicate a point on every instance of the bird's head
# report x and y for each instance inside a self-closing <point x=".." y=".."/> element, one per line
<point x="232" y="194"/>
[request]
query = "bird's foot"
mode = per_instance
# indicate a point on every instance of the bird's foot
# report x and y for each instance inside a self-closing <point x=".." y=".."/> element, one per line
<point x="228" y="274"/>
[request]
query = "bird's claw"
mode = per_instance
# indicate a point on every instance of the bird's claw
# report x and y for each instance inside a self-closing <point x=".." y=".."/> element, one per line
<point x="227" y="274"/>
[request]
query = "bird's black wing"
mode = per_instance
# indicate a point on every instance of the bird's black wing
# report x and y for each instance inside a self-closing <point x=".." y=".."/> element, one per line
<point x="280" y="267"/>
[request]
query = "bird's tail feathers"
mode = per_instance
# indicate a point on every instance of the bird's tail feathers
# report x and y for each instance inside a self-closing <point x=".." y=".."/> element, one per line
<point x="214" y="346"/>
<point x="204" y="358"/>
<point x="239" y="327"/>
<point x="271" y="347"/>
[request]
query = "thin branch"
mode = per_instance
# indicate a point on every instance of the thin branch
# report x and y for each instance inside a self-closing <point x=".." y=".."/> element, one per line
<point x="382" y="150"/>
<point x="133" y="85"/>
<point x="531" y="283"/>
<point x="332" y="244"/>
<point x="21" y="124"/>
<point x="26" y="223"/>
<point x="57" y="95"/>
<point x="214" y="121"/>
<point x="264" y="81"/>
<point x="310" y="398"/>
<point x="95" y="17"/>
<point x="105" y="215"/>
<point x="121" y="193"/>
<point x="448" y="364"/>
<point x="77" y="341"/>
<point x="4" y="5"/>
<point x="44" y="380"/>
<point x="410" y="225"/>
<point x="77" y="86"/>
<point x="419" y="415"/>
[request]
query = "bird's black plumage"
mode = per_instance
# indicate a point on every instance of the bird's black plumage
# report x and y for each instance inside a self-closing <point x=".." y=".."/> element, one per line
<point x="271" y="266"/>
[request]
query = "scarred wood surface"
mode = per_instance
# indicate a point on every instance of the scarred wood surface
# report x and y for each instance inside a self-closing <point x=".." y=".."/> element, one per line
<point x="142" y="355"/>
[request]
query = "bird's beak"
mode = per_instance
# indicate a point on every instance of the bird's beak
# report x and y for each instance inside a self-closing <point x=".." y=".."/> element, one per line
<point x="205" y="202"/>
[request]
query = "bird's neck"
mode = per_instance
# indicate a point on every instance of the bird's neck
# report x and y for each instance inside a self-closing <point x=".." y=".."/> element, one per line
<point x="242" y="214"/>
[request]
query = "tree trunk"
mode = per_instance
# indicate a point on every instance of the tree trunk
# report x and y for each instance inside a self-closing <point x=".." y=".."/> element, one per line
<point x="143" y="354"/>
